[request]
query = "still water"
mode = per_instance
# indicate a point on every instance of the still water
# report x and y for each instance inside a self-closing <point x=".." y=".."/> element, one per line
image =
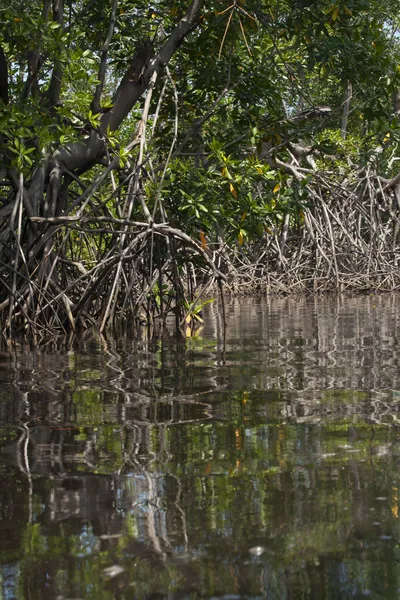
<point x="265" y="465"/>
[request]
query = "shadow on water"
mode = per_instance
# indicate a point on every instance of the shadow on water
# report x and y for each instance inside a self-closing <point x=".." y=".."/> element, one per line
<point x="266" y="468"/>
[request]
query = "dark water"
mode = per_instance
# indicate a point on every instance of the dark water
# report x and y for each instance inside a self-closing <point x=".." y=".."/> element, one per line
<point x="265" y="468"/>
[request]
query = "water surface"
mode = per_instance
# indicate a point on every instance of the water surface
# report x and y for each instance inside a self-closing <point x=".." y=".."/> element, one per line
<point x="265" y="466"/>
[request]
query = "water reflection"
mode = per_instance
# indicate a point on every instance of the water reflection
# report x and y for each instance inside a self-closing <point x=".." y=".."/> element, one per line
<point x="265" y="468"/>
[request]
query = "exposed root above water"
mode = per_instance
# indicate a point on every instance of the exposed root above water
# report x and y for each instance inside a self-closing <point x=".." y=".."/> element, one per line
<point x="344" y="238"/>
<point x="94" y="269"/>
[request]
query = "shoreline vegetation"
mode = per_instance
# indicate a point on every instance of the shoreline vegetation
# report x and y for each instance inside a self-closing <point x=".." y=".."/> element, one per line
<point x="346" y="240"/>
<point x="149" y="154"/>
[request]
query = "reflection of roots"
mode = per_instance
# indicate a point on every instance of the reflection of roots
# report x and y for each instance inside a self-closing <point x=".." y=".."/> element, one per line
<point x="54" y="448"/>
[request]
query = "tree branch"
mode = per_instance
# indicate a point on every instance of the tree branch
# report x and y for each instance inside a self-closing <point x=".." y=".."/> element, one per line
<point x="3" y="77"/>
<point x="103" y="61"/>
<point x="140" y="72"/>
<point x="133" y="85"/>
<point x="53" y="93"/>
<point x="346" y="108"/>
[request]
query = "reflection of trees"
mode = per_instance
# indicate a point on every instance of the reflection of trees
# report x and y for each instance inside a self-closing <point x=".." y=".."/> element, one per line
<point x="201" y="505"/>
<point x="92" y="431"/>
<point x="174" y="461"/>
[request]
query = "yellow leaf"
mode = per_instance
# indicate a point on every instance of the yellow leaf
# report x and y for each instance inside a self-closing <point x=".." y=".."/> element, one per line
<point x="203" y="239"/>
<point x="330" y="9"/>
<point x="188" y="319"/>
<point x="196" y="333"/>
<point x="277" y="188"/>
<point x="188" y="332"/>
<point x="259" y="170"/>
<point x="240" y="238"/>
<point x="243" y="216"/>
<point x="348" y="11"/>
<point x="233" y="191"/>
<point x="373" y="44"/>
<point x="335" y="13"/>
<point x="17" y="19"/>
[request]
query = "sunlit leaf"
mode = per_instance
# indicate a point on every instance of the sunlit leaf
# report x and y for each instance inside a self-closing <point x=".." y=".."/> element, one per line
<point x="233" y="190"/>
<point x="203" y="239"/>
<point x="335" y="13"/>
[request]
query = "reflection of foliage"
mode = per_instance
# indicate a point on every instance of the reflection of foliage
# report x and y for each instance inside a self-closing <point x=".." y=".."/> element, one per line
<point x="176" y="465"/>
<point x="302" y="508"/>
